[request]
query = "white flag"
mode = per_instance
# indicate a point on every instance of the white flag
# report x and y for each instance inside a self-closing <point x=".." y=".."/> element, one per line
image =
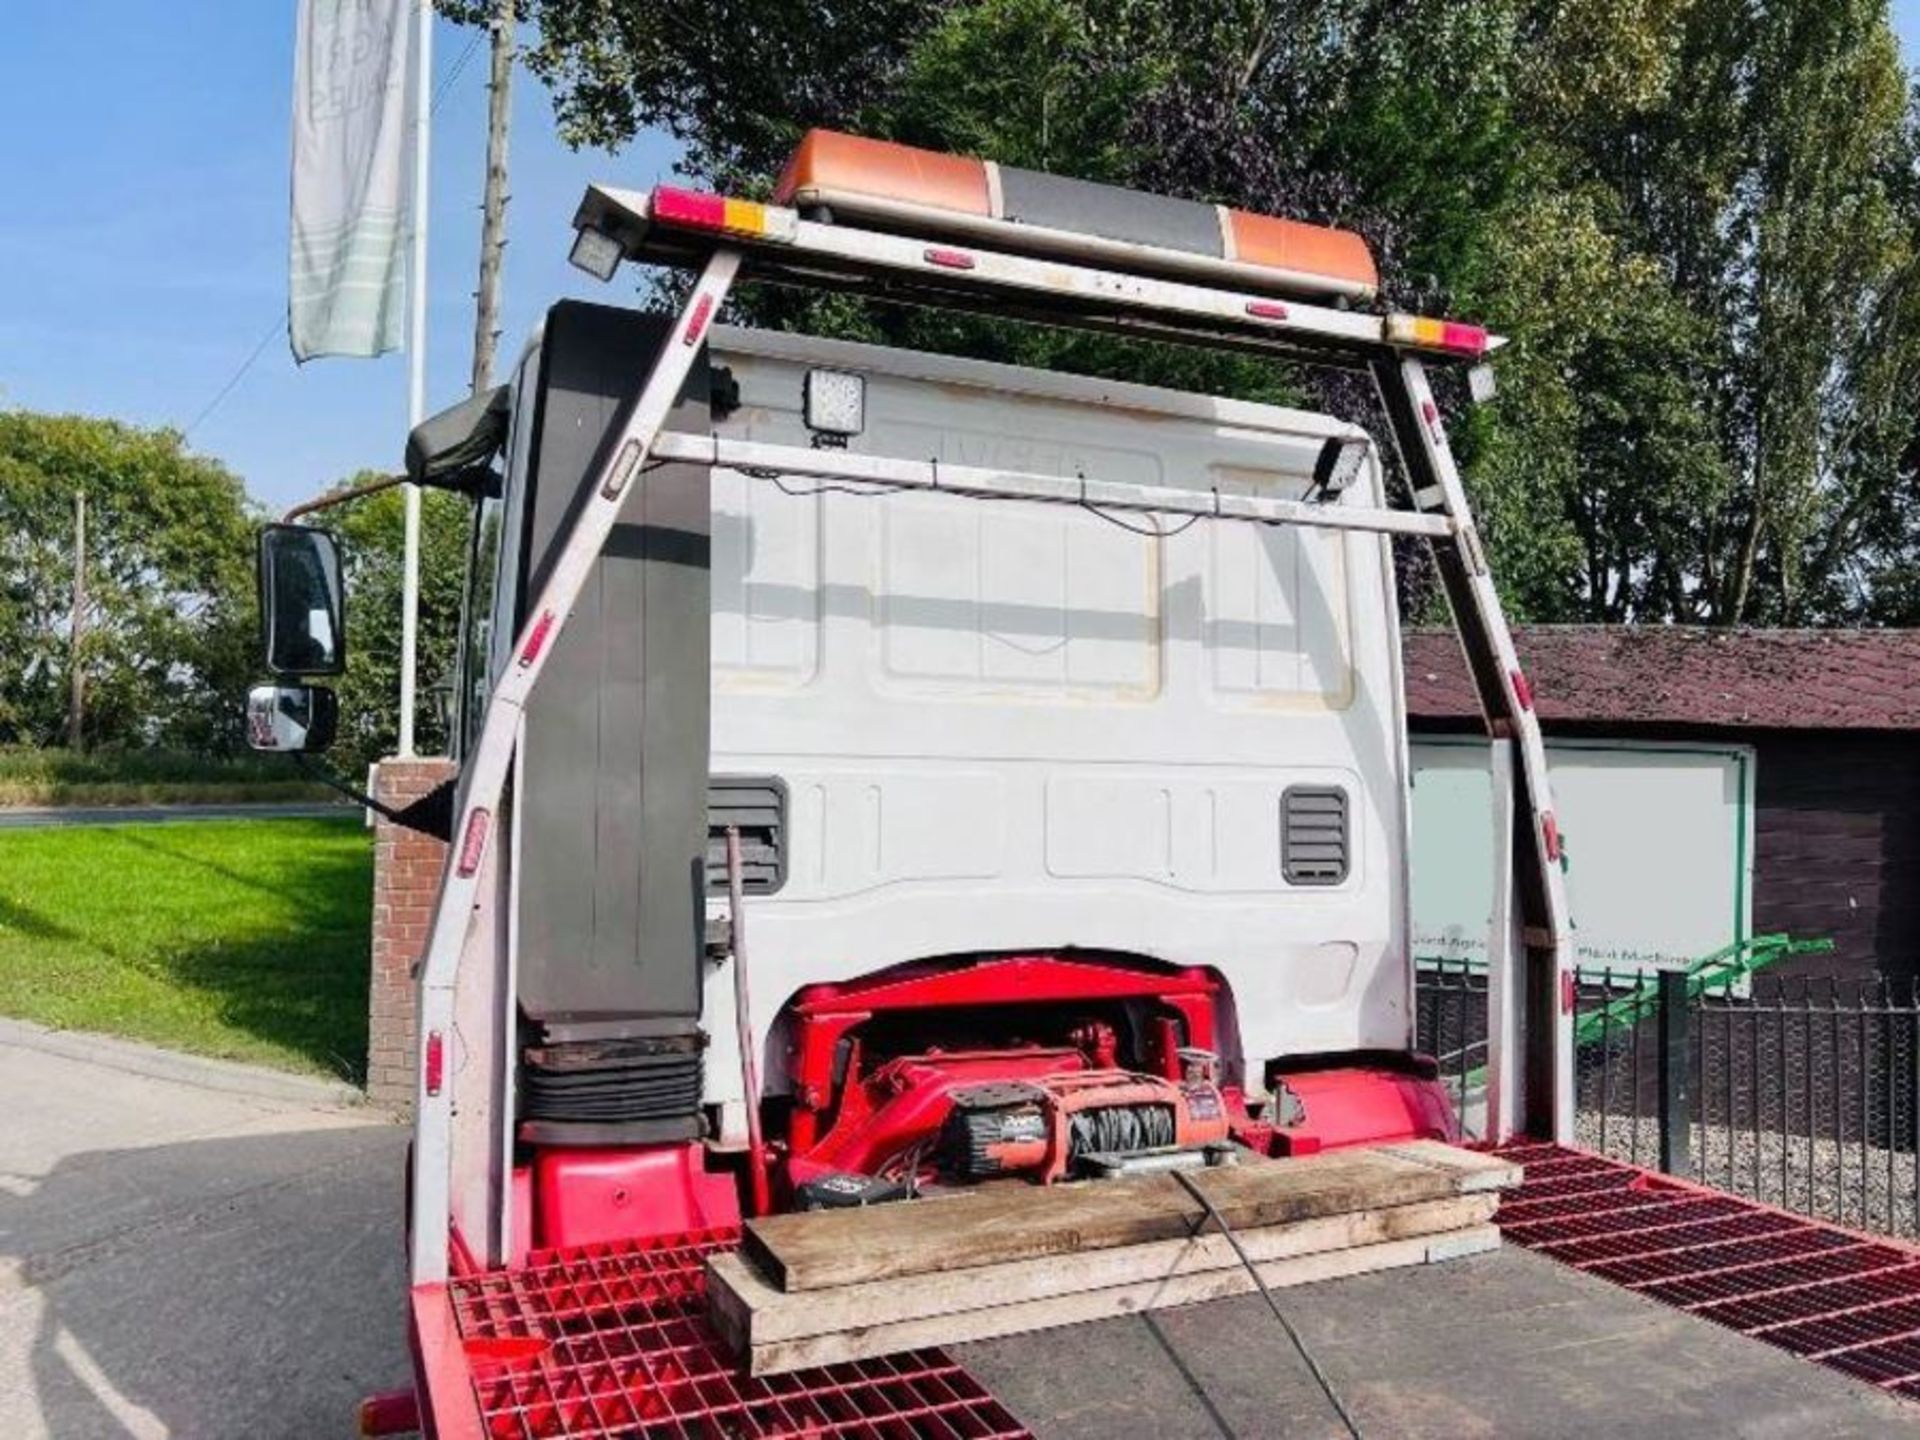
<point x="346" y="292"/>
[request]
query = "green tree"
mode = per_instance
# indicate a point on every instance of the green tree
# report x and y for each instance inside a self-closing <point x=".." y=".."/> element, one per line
<point x="1760" y="152"/>
<point x="372" y="533"/>
<point x="168" y="626"/>
<point x="1695" y="220"/>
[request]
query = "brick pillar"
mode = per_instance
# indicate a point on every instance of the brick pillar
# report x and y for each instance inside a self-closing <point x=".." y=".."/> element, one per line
<point x="406" y="877"/>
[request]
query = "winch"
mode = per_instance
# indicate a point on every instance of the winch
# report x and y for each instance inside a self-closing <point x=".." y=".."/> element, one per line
<point x="1057" y="1126"/>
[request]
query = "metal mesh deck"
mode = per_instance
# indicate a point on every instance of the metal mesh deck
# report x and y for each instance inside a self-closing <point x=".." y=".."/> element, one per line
<point x="612" y="1340"/>
<point x="1845" y="1300"/>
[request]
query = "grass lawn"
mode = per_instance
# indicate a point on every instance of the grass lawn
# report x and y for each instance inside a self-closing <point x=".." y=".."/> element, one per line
<point x="246" y="939"/>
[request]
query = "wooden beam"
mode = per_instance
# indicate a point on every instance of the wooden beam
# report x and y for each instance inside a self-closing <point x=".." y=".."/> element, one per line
<point x="777" y="1356"/>
<point x="996" y="1224"/>
<point x="748" y="1310"/>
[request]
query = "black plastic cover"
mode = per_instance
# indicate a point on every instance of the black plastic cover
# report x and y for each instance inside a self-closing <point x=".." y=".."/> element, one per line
<point x="847" y="1192"/>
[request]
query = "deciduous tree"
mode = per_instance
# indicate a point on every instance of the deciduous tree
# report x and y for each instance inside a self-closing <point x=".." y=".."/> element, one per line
<point x="168" y="627"/>
<point x="1694" y="219"/>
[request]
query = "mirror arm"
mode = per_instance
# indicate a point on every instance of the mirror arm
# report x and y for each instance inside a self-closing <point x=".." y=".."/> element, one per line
<point x="339" y="497"/>
<point x="431" y="814"/>
<point x="478" y="481"/>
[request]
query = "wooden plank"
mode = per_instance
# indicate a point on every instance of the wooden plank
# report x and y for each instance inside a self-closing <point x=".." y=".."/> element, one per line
<point x="1474" y="1172"/>
<point x="749" y="1310"/>
<point x="776" y="1357"/>
<point x="994" y="1224"/>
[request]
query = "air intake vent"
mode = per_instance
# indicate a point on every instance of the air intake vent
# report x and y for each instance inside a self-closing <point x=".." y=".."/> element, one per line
<point x="1313" y="835"/>
<point x="757" y="804"/>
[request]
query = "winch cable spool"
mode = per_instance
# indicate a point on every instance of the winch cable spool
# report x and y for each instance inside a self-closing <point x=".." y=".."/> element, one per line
<point x="1120" y="1127"/>
<point x="1299" y="1344"/>
<point x="1048" y="1126"/>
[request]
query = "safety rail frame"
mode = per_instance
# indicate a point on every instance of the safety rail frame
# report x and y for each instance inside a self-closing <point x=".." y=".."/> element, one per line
<point x="792" y="250"/>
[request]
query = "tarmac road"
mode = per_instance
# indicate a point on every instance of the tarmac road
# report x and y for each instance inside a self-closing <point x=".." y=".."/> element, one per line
<point x="31" y="818"/>
<point x="195" y="1249"/>
<point x="189" y="1248"/>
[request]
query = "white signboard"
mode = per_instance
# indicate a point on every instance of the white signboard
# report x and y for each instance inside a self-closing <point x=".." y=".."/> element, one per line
<point x="1658" y="842"/>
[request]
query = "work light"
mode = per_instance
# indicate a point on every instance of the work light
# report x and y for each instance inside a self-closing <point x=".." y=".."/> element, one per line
<point x="835" y="403"/>
<point x="1338" y="466"/>
<point x="595" y="252"/>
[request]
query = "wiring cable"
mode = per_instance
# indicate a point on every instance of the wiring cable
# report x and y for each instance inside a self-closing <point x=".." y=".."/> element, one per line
<point x="874" y="489"/>
<point x="1154" y="531"/>
<point x="1299" y="1344"/>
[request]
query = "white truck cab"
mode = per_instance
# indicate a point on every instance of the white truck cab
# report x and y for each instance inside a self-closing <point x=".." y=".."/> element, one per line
<point x="883" y="771"/>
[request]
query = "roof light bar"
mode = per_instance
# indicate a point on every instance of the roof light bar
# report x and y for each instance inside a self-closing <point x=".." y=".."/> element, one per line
<point x="1450" y="336"/>
<point x="1143" y="261"/>
<point x="1056" y="215"/>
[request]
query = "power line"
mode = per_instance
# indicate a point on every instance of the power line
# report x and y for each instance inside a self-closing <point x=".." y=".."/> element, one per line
<point x="455" y="70"/>
<point x="233" y="380"/>
<point x="441" y="91"/>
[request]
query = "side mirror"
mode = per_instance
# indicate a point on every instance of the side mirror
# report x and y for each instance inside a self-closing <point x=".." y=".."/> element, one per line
<point x="302" y="608"/>
<point x="300" y="719"/>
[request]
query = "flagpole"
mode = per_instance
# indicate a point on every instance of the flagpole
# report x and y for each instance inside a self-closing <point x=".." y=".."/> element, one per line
<point x="416" y="365"/>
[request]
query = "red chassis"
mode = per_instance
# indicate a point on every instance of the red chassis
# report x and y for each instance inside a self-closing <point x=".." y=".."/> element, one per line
<point x="863" y="1106"/>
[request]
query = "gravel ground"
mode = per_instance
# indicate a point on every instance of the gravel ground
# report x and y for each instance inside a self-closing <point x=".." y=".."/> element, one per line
<point x="1855" y="1184"/>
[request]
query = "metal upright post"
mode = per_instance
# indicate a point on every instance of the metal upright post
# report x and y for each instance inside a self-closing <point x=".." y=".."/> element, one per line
<point x="1676" y="1118"/>
<point x="491" y="757"/>
<point x="1506" y="962"/>
<point x="1506" y="700"/>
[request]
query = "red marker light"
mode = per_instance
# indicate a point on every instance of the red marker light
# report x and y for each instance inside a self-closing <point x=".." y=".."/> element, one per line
<point x="1452" y="336"/>
<point x="537" y="639"/>
<point x="473" y="844"/>
<point x="1550" y="832"/>
<point x="1566" y="992"/>
<point x="1266" y="310"/>
<point x="433" y="1064"/>
<point x="697" y="322"/>
<point x="1522" y="689"/>
<point x="694" y="208"/>
<point x="949" y="259"/>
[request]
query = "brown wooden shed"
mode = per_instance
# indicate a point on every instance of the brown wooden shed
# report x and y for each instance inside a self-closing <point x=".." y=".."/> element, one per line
<point x="1832" y="716"/>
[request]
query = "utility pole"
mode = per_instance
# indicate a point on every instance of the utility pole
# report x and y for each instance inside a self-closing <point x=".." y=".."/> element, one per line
<point x="493" y="210"/>
<point x="76" y="628"/>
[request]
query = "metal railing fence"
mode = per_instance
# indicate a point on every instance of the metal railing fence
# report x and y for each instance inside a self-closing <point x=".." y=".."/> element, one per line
<point x="1800" y="1093"/>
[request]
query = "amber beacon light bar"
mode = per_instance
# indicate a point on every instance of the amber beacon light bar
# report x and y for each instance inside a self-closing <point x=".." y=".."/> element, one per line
<point x="1036" y="213"/>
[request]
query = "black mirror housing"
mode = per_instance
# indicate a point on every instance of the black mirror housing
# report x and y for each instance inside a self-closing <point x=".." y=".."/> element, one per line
<point x="302" y="601"/>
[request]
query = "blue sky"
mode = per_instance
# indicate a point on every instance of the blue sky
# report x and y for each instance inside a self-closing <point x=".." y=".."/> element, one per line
<point x="143" y="232"/>
<point x="143" y="197"/>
